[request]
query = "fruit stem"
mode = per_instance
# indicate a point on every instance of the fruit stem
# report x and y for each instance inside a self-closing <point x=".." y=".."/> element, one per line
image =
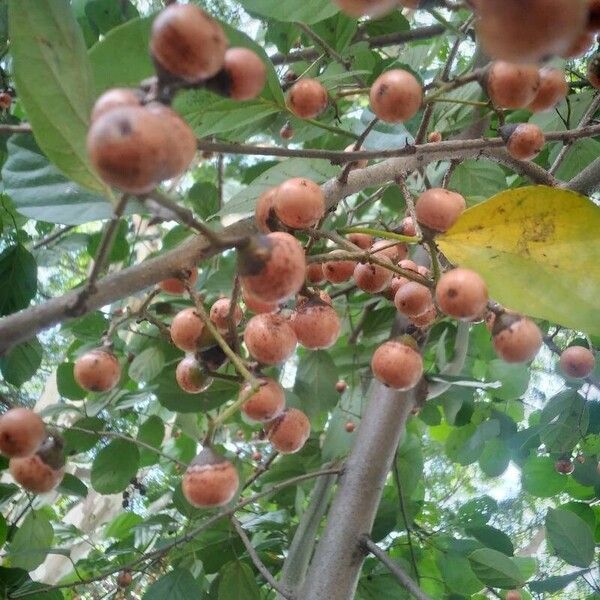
<point x="388" y="235"/>
<point x="435" y="263"/>
<point x="457" y="82"/>
<point x="457" y="101"/>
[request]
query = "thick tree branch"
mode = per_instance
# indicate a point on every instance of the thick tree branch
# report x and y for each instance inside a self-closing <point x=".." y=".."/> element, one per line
<point x="587" y="181"/>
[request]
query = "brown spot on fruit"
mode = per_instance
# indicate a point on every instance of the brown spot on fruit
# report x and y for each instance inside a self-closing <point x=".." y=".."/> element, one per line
<point x="258" y="306"/>
<point x="265" y="404"/>
<point x="577" y="362"/>
<point x="289" y="431"/>
<point x="462" y="294"/>
<point x="525" y="141"/>
<point x="396" y="96"/>
<point x="262" y="212"/>
<point x="438" y="209"/>
<point x="190" y="376"/>
<point x="219" y="313"/>
<point x="516" y="338"/>
<point x="299" y="203"/>
<point x="187" y="329"/>
<point x="512" y="85"/>
<point x="340" y="270"/>
<point x="270" y="339"/>
<point x="413" y="299"/>
<point x="316" y="324"/>
<point x="97" y="371"/>
<point x="307" y="98"/>
<point x="21" y="432"/>
<point x="373" y="278"/>
<point x="397" y="365"/>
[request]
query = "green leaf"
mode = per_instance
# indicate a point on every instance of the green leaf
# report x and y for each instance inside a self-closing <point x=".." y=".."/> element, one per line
<point x="20" y="364"/>
<point x="120" y="527"/>
<point x="315" y="383"/>
<point x="65" y="381"/>
<point x="457" y="573"/>
<point x="409" y="461"/>
<point x="151" y="432"/>
<point x="72" y="486"/>
<point x="104" y="15"/>
<point x="54" y="81"/>
<point x="204" y="198"/>
<point x="465" y="444"/>
<point x="380" y="586"/>
<point x="478" y="178"/>
<point x="539" y="477"/>
<point x="78" y="441"/>
<point x="238" y="583"/>
<point x="495" y="458"/>
<point x="555" y="583"/>
<point x="179" y="584"/>
<point x="492" y="538"/>
<point x="564" y="421"/>
<point x="570" y="536"/>
<point x="579" y="156"/>
<point x="18" y="279"/>
<point x="31" y="543"/>
<point x="3" y="530"/>
<point x="40" y="191"/>
<point x="496" y="569"/>
<point x="535" y="247"/>
<point x="120" y="247"/>
<point x="114" y="466"/>
<point x="309" y="12"/>
<point x="245" y="200"/>
<point x="147" y="365"/>
<point x="514" y="379"/>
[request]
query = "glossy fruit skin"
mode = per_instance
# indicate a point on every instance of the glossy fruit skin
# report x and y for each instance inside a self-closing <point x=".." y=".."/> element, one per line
<point x="265" y="404"/>
<point x="262" y="211"/>
<point x="397" y="365"/>
<point x="307" y="98"/>
<point x="526" y="141"/>
<point x="289" y="431"/>
<point x="576" y="361"/>
<point x="186" y="330"/>
<point x="368" y="8"/>
<point x="21" y="432"/>
<point x="219" y="312"/>
<point x="393" y="250"/>
<point x="210" y="480"/>
<point x="314" y="273"/>
<point x="553" y="88"/>
<point x="258" y="306"/>
<point x="97" y="371"/>
<point x="187" y="43"/>
<point x="176" y="286"/>
<point x="316" y="324"/>
<point x="341" y="386"/>
<point x="462" y="294"/>
<point x="512" y="85"/>
<point x="373" y="278"/>
<point x="340" y="270"/>
<point x="396" y="96"/>
<point x="299" y="203"/>
<point x="34" y="474"/>
<point x="281" y="274"/>
<point x="114" y="98"/>
<point x="363" y="240"/>
<point x="564" y="466"/>
<point x="516" y="339"/>
<point x="246" y="73"/>
<point x="270" y="339"/>
<point x="439" y="209"/>
<point x="413" y="299"/>
<point x="545" y="28"/>
<point x="190" y="377"/>
<point x="407" y="227"/>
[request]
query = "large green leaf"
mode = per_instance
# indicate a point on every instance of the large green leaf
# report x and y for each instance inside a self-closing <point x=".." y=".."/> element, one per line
<point x="539" y="477"/>
<point x="41" y="192"/>
<point x="564" y="421"/>
<point x="147" y="365"/>
<point x="478" y="178"/>
<point x="32" y="541"/>
<point x="309" y="11"/>
<point x="151" y="432"/>
<point x="179" y="584"/>
<point x="238" y="583"/>
<point x="54" y="81"/>
<point x="496" y="569"/>
<point x="315" y="383"/>
<point x="554" y="583"/>
<point x="114" y="466"/>
<point x="538" y="250"/>
<point x="18" y="279"/>
<point x="21" y="362"/>
<point x="570" y="536"/>
<point x="457" y="573"/>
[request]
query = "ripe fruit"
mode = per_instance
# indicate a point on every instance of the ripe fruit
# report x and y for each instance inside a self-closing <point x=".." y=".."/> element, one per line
<point x="396" y="96"/>
<point x="341" y="386"/>
<point x="256" y="456"/>
<point x="262" y="211"/>
<point x="407" y="227"/>
<point x="270" y="339"/>
<point x="299" y="203"/>
<point x="575" y="361"/>
<point x="258" y="306"/>
<point x="552" y="89"/>
<point x="340" y="270"/>
<point x="363" y="240"/>
<point x="187" y="43"/>
<point x="580" y="46"/>
<point x="356" y="164"/>
<point x="114" y="98"/>
<point x="373" y="278"/>
<point x="21" y="432"/>
<point x="394" y="251"/>
<point x="350" y="426"/>
<point x="265" y="404"/>
<point x="289" y="431"/>
<point x="286" y="132"/>
<point x="219" y="313"/>
<point x="413" y="299"/>
<point x="513" y="595"/>
<point x="124" y="578"/>
<point x="316" y="324"/>
<point x="190" y="376"/>
<point x="397" y="365"/>
<point x="593" y="22"/>
<point x="426" y="319"/>
<point x="176" y="286"/>
<point x="273" y="267"/>
<point x="439" y="209"/>
<point x="314" y="273"/>
<point x="462" y="294"/>
<point x="545" y="28"/>
<point x="516" y="338"/>
<point x="593" y="71"/>
<point x="210" y="480"/>
<point x="97" y="371"/>
<point x="512" y="85"/>
<point x="523" y="141"/>
<point x="186" y="330"/>
<point x="434" y="137"/>
<point x="307" y="98"/>
<point x="246" y="73"/>
<point x="5" y="101"/>
<point x="564" y="466"/>
<point x="370" y="8"/>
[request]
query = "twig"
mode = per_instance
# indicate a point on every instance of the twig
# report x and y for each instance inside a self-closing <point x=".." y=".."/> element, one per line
<point x="260" y="566"/>
<point x="361" y="323"/>
<point x="53" y="236"/>
<point x="22" y="128"/>
<point x="343" y="178"/>
<point x="396" y="570"/>
<point x="260" y="469"/>
<point x="410" y="203"/>
<point x="231" y="325"/>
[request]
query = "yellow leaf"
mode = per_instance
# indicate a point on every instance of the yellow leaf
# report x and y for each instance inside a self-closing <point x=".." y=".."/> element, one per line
<point x="538" y="249"/>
